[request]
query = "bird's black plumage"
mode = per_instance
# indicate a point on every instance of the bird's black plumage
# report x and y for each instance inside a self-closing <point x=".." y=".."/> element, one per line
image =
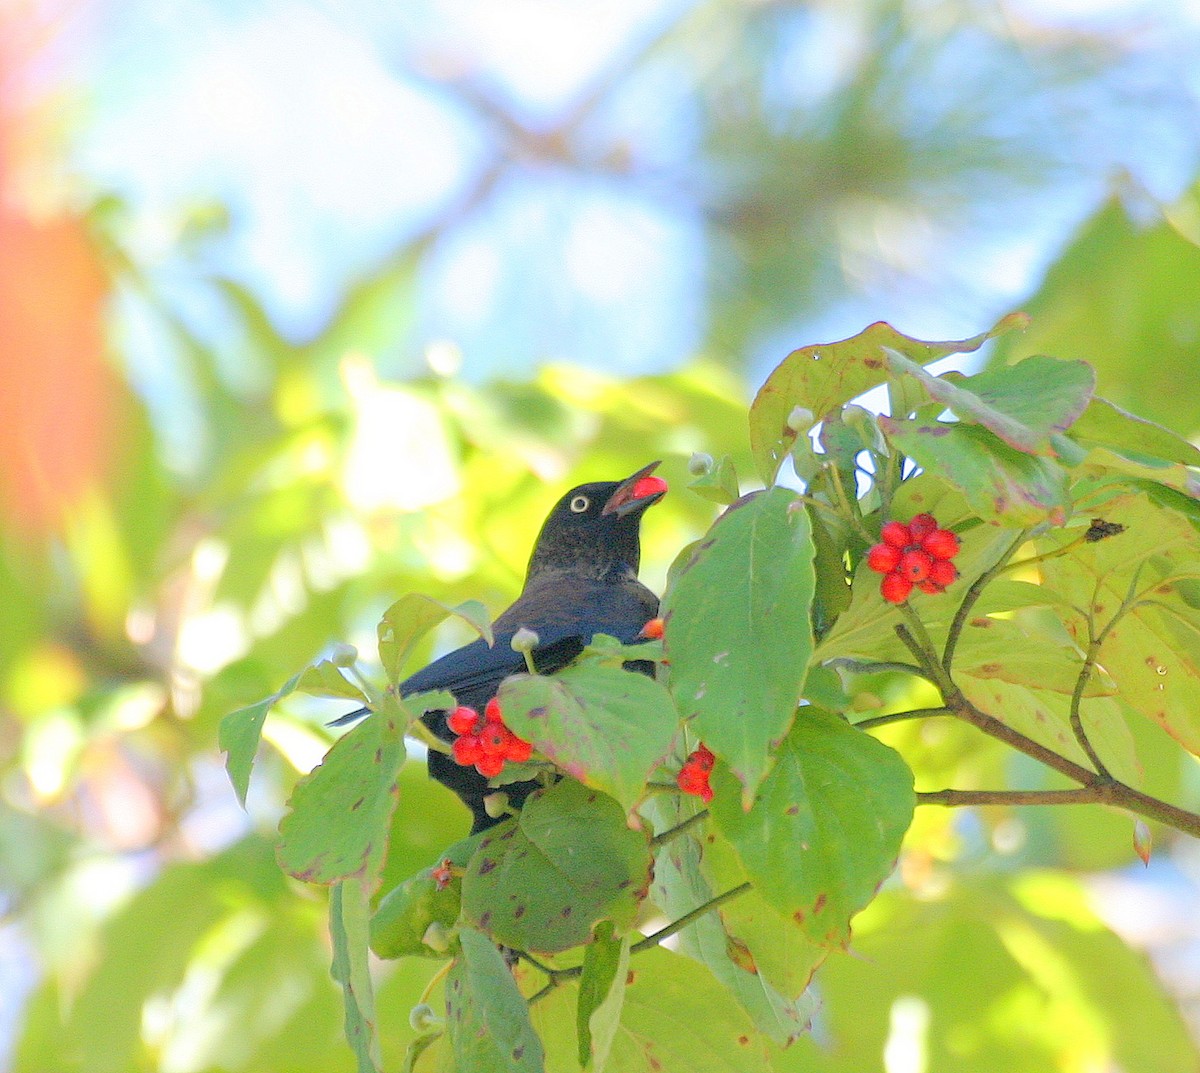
<point x="582" y="580"/>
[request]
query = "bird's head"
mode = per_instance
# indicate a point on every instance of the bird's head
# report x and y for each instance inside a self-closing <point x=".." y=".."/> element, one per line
<point x="593" y="529"/>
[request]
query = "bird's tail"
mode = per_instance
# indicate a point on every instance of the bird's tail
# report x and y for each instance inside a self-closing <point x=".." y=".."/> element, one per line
<point x="349" y="717"/>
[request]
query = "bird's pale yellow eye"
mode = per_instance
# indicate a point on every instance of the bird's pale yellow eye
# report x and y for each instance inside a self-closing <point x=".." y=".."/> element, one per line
<point x="580" y="503"/>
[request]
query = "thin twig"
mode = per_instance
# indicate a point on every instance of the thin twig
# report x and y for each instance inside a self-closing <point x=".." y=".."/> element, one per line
<point x="673" y="832"/>
<point x="971" y="597"/>
<point x="899" y="717"/>
<point x="687" y="918"/>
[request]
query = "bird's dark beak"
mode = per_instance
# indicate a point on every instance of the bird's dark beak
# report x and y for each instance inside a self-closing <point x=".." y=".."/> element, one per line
<point x="636" y="493"/>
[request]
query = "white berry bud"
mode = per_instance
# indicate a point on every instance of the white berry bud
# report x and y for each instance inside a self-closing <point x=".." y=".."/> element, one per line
<point x="343" y="655"/>
<point x="524" y="640"/>
<point x="700" y="463"/>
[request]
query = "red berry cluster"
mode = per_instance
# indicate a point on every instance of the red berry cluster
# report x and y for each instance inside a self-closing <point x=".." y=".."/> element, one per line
<point x="484" y="740"/>
<point x="915" y="554"/>
<point x="693" y="776"/>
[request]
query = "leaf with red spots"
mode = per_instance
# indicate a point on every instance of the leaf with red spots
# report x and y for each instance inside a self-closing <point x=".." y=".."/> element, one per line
<point x="826" y="825"/>
<point x="340" y="812"/>
<point x="998" y="481"/>
<point x="820" y="379"/>
<point x="607" y="727"/>
<point x="1027" y="405"/>
<point x="738" y="631"/>
<point x="542" y="881"/>
<point x="487" y="1018"/>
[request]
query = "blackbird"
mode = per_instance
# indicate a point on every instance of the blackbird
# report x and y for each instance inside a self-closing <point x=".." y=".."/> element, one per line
<point x="582" y="580"/>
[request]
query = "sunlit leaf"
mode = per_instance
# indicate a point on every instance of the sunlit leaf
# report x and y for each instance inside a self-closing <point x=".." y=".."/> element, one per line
<point x="832" y="787"/>
<point x="821" y="378"/>
<point x="1024" y="404"/>
<point x="414" y="615"/>
<point x="349" y="911"/>
<point x="240" y="733"/>
<point x="601" y="995"/>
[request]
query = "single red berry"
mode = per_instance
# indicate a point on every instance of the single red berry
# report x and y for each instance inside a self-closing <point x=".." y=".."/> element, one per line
<point x="895" y="588"/>
<point x="884" y="558"/>
<point x="653" y="629"/>
<point x="467" y="750"/>
<point x="489" y="766"/>
<point x="897" y="534"/>
<point x="494" y="740"/>
<point x="518" y="750"/>
<point x="702" y="759"/>
<point x="941" y="544"/>
<point x="921" y="525"/>
<point x="943" y="572"/>
<point x="492" y="712"/>
<point x="462" y="720"/>
<point x="914" y="565"/>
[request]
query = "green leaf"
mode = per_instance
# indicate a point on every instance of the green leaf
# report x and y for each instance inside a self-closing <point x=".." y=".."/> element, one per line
<point x="607" y="727"/>
<point x="678" y="1019"/>
<point x="349" y="910"/>
<point x="1104" y="424"/>
<point x="826" y="825"/>
<point x="1123" y="295"/>
<point x="601" y="995"/>
<point x="414" y="615"/>
<point x="543" y="881"/>
<point x="998" y="481"/>
<point x="341" y="811"/>
<point x="486" y="1016"/>
<point x="326" y="680"/>
<point x="1023" y="404"/>
<point x="822" y="378"/>
<point x="738" y="633"/>
<point x="239" y="735"/>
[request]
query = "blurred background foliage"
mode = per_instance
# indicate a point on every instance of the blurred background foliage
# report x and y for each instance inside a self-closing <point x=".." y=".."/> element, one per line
<point x="306" y="306"/>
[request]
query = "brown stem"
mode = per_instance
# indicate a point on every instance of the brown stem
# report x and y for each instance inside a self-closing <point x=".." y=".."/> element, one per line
<point x="1107" y="789"/>
<point x="956" y="798"/>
